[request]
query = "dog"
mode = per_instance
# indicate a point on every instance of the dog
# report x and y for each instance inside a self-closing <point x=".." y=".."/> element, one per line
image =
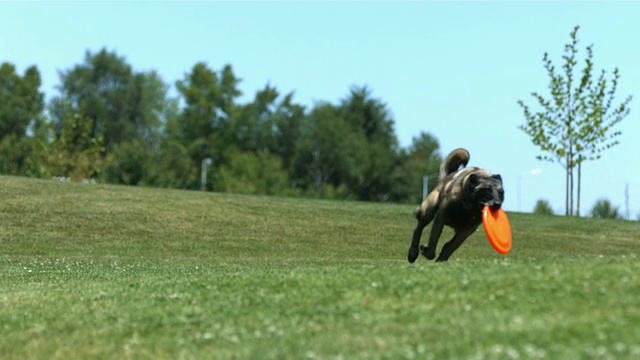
<point x="457" y="201"/>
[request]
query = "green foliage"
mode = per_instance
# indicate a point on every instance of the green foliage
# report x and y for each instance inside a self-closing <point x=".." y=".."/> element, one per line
<point x="75" y="151"/>
<point x="123" y="105"/>
<point x="543" y="207"/>
<point x="116" y="124"/>
<point x="203" y="126"/>
<point x="21" y="101"/>
<point x="201" y="92"/>
<point x="21" y="106"/>
<point x="370" y="120"/>
<point x="121" y="272"/>
<point x="576" y="123"/>
<point x="288" y="119"/>
<point x="604" y="209"/>
<point x="254" y="127"/>
<point x="129" y="163"/>
<point x="351" y="144"/>
<point x="176" y="168"/>
<point x="253" y="173"/>
<point x="328" y="151"/>
<point x="421" y="159"/>
<point x="24" y="156"/>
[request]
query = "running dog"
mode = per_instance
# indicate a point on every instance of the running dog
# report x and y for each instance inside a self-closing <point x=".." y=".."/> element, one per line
<point x="457" y="202"/>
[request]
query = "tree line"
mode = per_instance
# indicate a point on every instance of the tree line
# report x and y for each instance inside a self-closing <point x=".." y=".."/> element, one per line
<point x="113" y="124"/>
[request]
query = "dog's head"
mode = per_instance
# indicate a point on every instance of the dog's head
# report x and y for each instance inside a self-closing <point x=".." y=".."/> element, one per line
<point x="486" y="189"/>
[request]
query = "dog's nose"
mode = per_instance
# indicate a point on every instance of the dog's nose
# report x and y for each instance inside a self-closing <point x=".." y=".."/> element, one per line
<point x="494" y="204"/>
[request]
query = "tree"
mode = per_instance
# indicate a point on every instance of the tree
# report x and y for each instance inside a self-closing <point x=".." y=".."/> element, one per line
<point x="253" y="173"/>
<point x="21" y="101"/>
<point x="124" y="105"/>
<point x="254" y="128"/>
<point x="269" y="124"/>
<point x="23" y="156"/>
<point x="603" y="209"/>
<point x="328" y="151"/>
<point x="370" y="118"/>
<point x="287" y="119"/>
<point x="349" y="149"/>
<point x="204" y="123"/>
<point x="75" y="152"/>
<point x="576" y="123"/>
<point x="129" y="163"/>
<point x="422" y="158"/>
<point x="23" y="134"/>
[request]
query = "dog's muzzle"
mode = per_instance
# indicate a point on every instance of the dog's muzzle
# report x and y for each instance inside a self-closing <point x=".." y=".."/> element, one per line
<point x="493" y="204"/>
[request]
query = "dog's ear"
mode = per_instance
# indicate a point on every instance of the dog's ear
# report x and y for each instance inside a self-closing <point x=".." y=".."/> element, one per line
<point x="497" y="177"/>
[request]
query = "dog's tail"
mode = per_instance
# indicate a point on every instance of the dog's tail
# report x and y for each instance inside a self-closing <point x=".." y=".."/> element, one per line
<point x="453" y="161"/>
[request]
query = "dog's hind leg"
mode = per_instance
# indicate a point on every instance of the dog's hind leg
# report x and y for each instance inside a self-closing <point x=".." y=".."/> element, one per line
<point x="454" y="243"/>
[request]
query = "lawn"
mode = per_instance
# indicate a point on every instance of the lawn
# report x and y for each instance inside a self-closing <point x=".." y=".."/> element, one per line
<point x="114" y="272"/>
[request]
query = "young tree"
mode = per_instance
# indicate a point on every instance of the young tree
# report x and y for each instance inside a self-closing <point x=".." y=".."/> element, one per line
<point x="75" y="152"/>
<point x="576" y="123"/>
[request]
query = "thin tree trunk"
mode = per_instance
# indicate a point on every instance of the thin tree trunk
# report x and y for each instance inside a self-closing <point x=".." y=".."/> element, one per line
<point x="579" y="182"/>
<point x="571" y="213"/>
<point x="566" y="192"/>
<point x="567" y="189"/>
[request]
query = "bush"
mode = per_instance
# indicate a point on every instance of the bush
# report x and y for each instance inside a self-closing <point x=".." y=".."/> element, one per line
<point x="258" y="173"/>
<point x="543" y="207"/>
<point x="603" y="209"/>
<point x="23" y="156"/>
<point x="75" y="152"/>
<point x="127" y="164"/>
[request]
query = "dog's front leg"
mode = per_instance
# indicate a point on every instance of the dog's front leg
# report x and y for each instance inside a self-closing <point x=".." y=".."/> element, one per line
<point x="425" y="214"/>
<point x="414" y="250"/>
<point x="454" y="244"/>
<point x="436" y="230"/>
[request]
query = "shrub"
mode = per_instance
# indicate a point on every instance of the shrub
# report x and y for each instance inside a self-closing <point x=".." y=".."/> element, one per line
<point x="543" y="207"/>
<point x="603" y="209"/>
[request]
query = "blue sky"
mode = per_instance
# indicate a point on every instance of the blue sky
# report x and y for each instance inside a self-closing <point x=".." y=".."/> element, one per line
<point x="455" y="69"/>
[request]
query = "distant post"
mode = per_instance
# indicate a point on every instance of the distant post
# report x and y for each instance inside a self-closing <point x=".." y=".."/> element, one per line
<point x="206" y="162"/>
<point x="425" y="186"/>
<point x="626" y="201"/>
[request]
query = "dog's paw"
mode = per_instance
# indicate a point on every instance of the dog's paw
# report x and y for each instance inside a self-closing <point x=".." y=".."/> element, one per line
<point x="413" y="254"/>
<point x="427" y="252"/>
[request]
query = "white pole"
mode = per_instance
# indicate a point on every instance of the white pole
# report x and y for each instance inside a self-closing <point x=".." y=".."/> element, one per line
<point x="425" y="186"/>
<point x="203" y="173"/>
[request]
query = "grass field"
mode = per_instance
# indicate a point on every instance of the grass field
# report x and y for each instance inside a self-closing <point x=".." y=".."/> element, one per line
<point x="93" y="271"/>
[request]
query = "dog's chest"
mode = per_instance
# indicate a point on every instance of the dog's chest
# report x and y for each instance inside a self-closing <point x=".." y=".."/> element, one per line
<point x="458" y="216"/>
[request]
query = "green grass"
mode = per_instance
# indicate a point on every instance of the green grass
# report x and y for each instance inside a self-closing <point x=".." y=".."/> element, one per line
<point x="93" y="271"/>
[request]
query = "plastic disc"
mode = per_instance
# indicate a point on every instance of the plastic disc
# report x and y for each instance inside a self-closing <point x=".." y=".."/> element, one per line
<point x="496" y="226"/>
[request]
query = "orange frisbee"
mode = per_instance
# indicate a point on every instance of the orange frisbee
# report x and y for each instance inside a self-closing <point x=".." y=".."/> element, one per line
<point x="496" y="226"/>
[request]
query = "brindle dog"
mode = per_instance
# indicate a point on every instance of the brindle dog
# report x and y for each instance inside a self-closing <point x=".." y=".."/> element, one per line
<point x="457" y="201"/>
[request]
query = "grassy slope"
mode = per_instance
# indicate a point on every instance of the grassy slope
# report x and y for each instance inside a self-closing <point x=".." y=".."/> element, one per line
<point x="118" y="272"/>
